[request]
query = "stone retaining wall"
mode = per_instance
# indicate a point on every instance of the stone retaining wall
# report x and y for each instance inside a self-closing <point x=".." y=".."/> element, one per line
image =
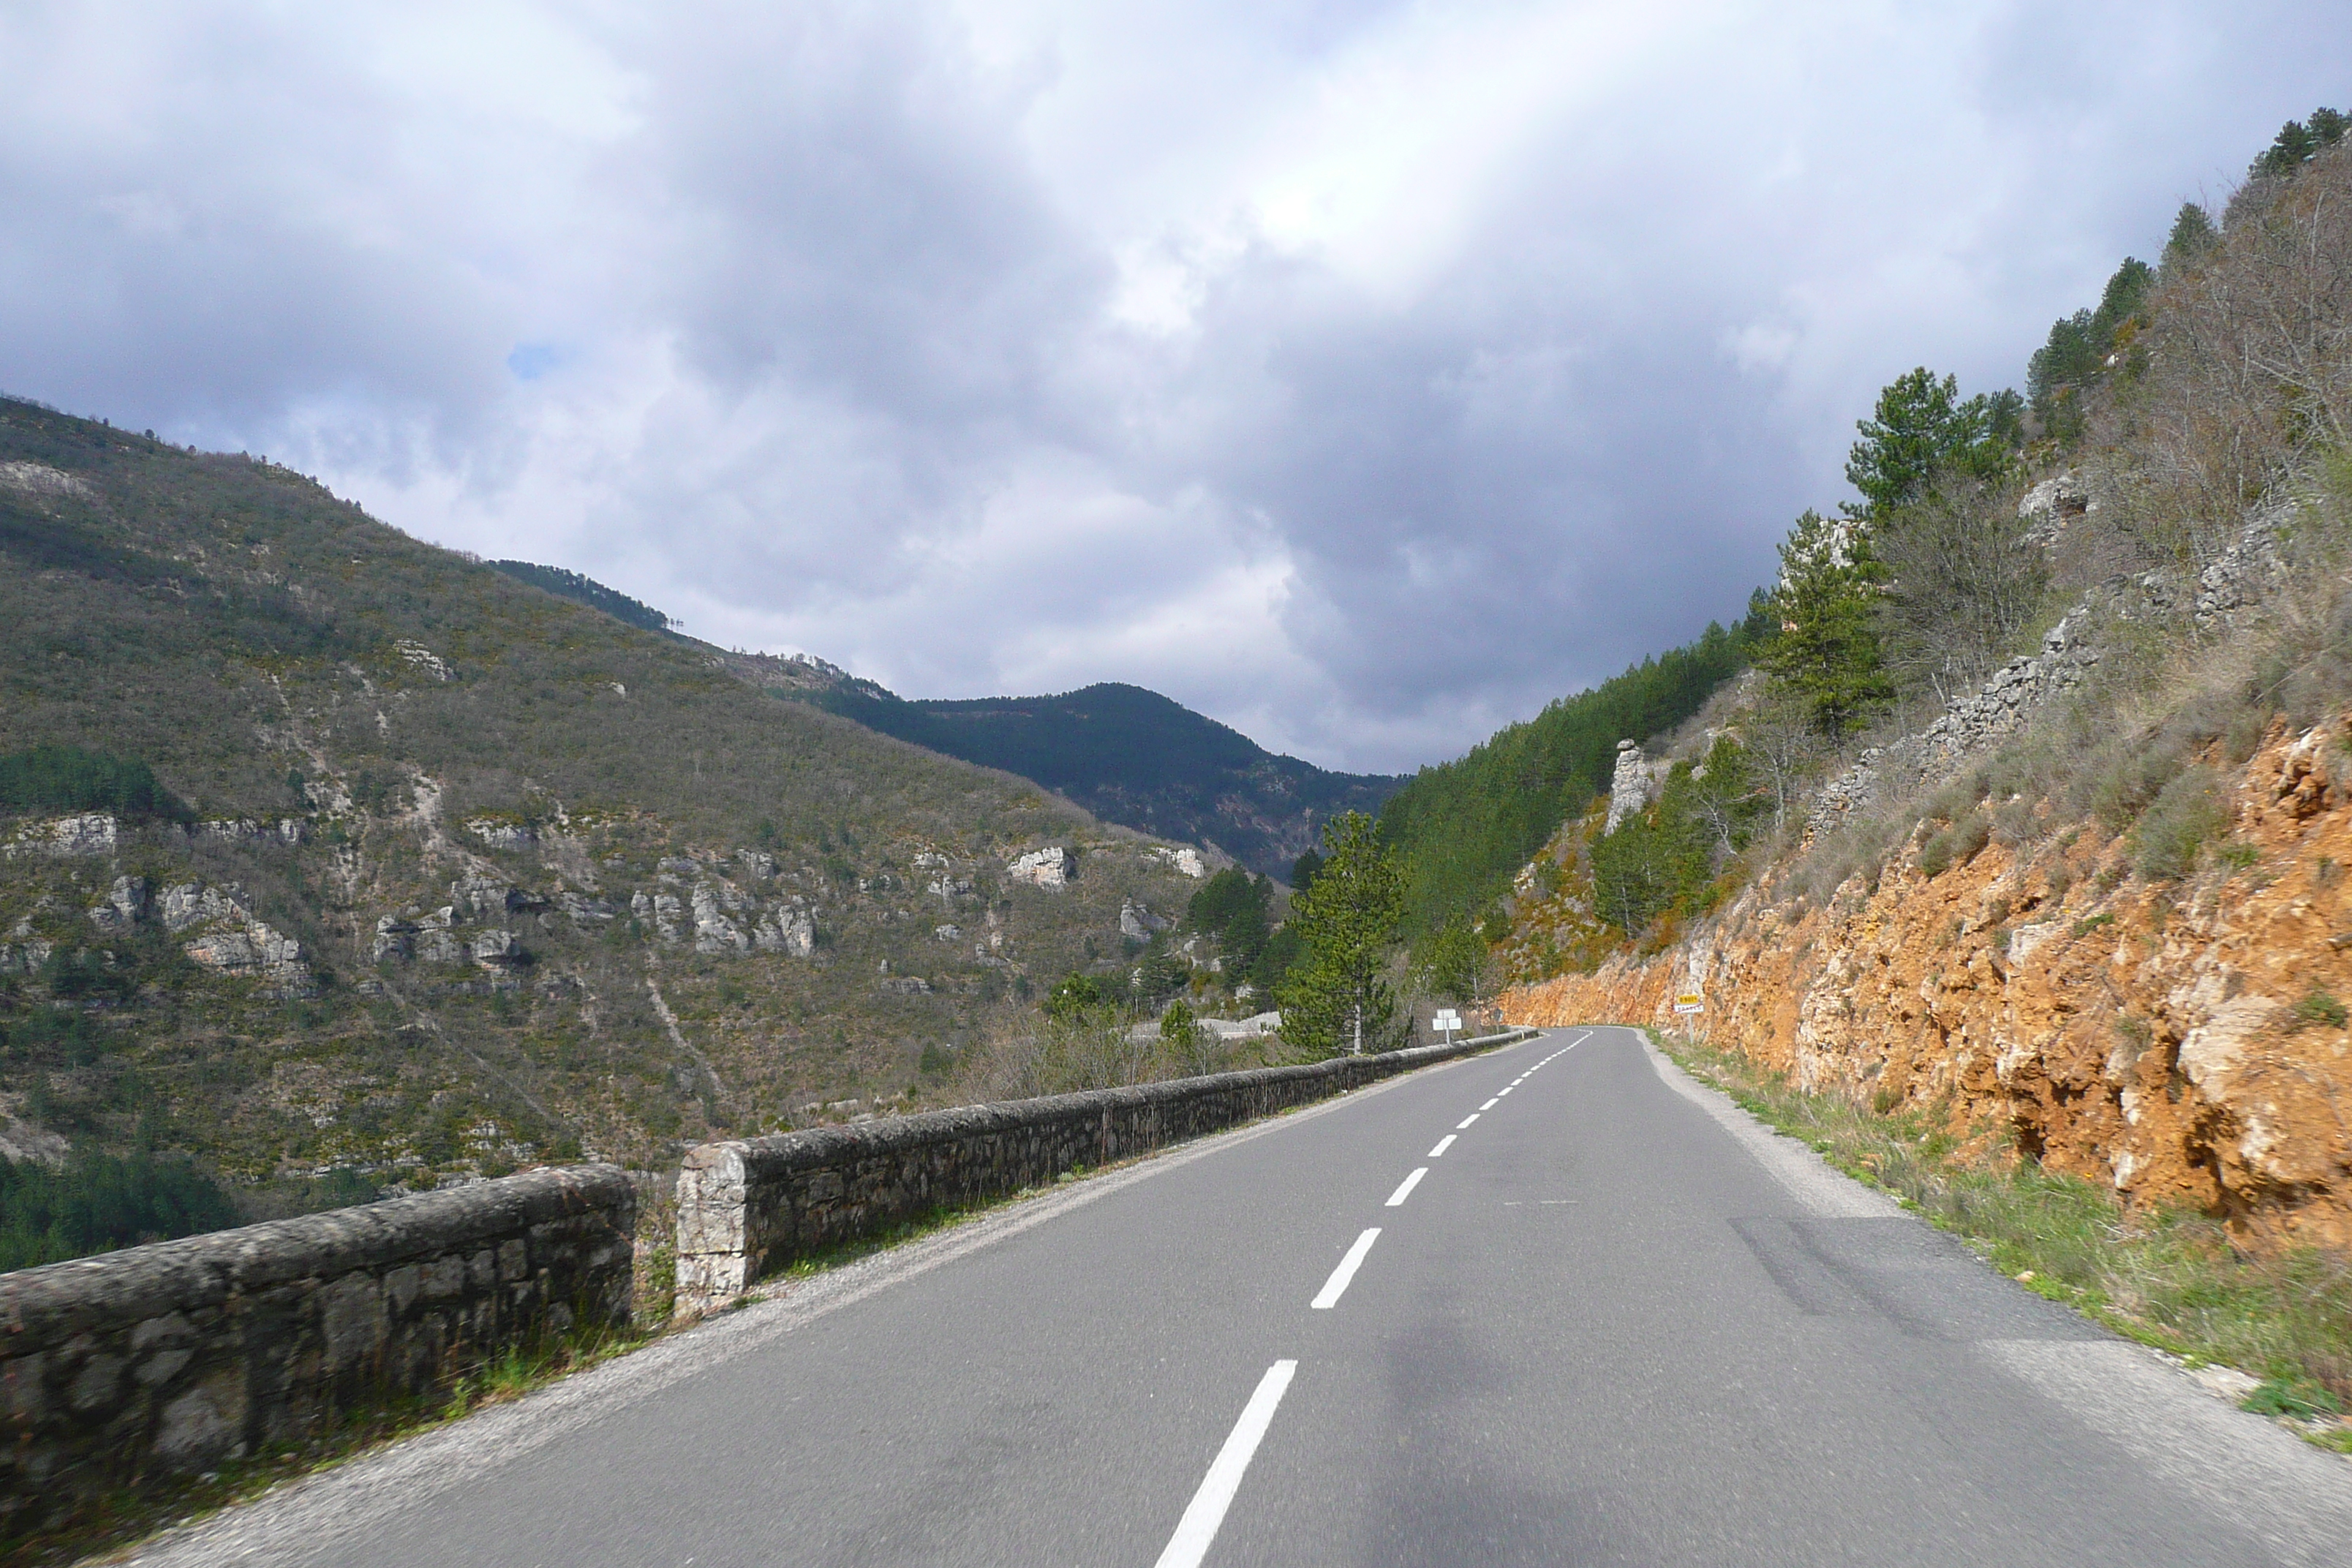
<point x="121" y="1370"/>
<point x="748" y="1206"/>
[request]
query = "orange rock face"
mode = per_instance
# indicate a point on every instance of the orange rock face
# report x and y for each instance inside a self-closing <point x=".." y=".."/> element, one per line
<point x="2180" y="1042"/>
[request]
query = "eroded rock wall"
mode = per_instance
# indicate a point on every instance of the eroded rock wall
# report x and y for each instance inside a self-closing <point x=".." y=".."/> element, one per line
<point x="2179" y="1041"/>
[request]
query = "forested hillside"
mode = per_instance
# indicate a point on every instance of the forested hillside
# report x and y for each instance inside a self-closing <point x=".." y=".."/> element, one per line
<point x="322" y="849"/>
<point x="1462" y="829"/>
<point x="1126" y="754"/>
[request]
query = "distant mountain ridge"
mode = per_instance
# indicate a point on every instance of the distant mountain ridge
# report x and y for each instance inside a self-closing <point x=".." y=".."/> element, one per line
<point x="1126" y="754"/>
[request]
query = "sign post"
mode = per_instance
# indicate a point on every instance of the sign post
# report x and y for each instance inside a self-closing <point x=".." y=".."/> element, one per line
<point x="1448" y="1020"/>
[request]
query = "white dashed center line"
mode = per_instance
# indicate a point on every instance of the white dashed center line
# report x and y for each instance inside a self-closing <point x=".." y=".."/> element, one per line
<point x="1465" y="1122"/>
<point x="1198" y="1526"/>
<point x="1336" y="1286"/>
<point x="1443" y="1145"/>
<point x="1405" y="1187"/>
<point x="1490" y="1104"/>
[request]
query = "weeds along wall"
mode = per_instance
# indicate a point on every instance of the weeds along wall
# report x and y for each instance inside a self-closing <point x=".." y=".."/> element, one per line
<point x="748" y="1206"/>
<point x="123" y="1370"/>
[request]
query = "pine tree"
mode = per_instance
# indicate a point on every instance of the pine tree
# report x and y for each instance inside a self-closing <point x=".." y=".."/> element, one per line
<point x="1456" y="955"/>
<point x="1827" y="655"/>
<point x="1922" y="428"/>
<point x="2192" y="236"/>
<point x="1335" y="998"/>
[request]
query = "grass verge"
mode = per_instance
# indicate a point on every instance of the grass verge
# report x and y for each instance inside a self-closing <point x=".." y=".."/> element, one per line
<point x="2170" y="1277"/>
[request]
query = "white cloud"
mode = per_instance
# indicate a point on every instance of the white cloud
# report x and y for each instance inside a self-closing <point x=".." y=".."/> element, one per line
<point x="1365" y="375"/>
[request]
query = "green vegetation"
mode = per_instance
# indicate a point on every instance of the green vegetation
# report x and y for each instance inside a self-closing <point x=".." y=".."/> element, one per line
<point x="1667" y="858"/>
<point x="1461" y="829"/>
<point x="1303" y="870"/>
<point x="2171" y="1278"/>
<point x="68" y="778"/>
<point x="1455" y="961"/>
<point x="2186" y="813"/>
<point x="1235" y="907"/>
<point x="1132" y="757"/>
<point x="342" y="711"/>
<point x="2299" y="141"/>
<point x="1921" y="433"/>
<point x="2316" y="1006"/>
<point x="1826" y="656"/>
<point x="1337" y="997"/>
<point x="98" y="1203"/>
<point x="2080" y="346"/>
<point x="1074" y="996"/>
<point x="587" y="591"/>
<point x="1236" y="910"/>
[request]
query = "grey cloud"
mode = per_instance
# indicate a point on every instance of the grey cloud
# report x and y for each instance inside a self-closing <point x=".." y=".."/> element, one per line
<point x="824" y="349"/>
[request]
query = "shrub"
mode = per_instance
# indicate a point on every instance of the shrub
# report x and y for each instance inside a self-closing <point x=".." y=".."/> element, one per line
<point x="2318" y="1007"/>
<point x="2184" y="815"/>
<point x="1076" y="997"/>
<point x="2121" y="783"/>
<point x="1958" y="844"/>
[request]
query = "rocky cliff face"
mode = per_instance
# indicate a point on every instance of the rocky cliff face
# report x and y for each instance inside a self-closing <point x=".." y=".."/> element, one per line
<point x="2180" y="1042"/>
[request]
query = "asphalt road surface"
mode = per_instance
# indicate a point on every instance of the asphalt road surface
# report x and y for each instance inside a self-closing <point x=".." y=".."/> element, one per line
<point x="1554" y="1304"/>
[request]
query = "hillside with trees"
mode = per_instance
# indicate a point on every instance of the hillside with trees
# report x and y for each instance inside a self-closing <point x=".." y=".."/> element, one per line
<point x="1462" y="829"/>
<point x="325" y="850"/>
<point x="1125" y="755"/>
<point x="2051" y="937"/>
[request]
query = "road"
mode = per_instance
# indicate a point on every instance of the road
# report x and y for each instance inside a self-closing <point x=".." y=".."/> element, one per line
<point x="1604" y="1320"/>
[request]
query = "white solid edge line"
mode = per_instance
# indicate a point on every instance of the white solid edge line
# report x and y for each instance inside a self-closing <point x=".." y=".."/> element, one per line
<point x="1465" y="1122"/>
<point x="1405" y="1187"/>
<point x="1206" y="1512"/>
<point x="1336" y="1286"/>
<point x="1443" y="1145"/>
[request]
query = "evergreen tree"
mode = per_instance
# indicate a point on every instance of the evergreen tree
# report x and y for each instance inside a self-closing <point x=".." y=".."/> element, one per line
<point x="1827" y="655"/>
<point x="1920" y="427"/>
<point x="1074" y="997"/>
<point x="1231" y="907"/>
<point x="1334" y="998"/>
<point x="1457" y="955"/>
<point x="2080" y="345"/>
<point x="2192" y="235"/>
<point x="67" y="778"/>
<point x="2299" y="141"/>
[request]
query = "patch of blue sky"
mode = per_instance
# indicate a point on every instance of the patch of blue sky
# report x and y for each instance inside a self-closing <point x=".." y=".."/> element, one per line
<point x="528" y="361"/>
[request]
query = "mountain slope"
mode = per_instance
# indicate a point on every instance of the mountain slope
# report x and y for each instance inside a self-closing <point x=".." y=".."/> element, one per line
<point x="1462" y="829"/>
<point x="1124" y="753"/>
<point x="470" y="874"/>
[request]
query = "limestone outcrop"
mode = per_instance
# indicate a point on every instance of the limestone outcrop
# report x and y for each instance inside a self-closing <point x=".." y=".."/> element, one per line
<point x="1185" y="859"/>
<point x="88" y="833"/>
<point x="1634" y="783"/>
<point x="2179" y="1042"/>
<point x="1048" y="867"/>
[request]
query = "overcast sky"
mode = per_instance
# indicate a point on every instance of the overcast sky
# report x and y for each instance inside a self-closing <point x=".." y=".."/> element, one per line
<point x="1364" y="375"/>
